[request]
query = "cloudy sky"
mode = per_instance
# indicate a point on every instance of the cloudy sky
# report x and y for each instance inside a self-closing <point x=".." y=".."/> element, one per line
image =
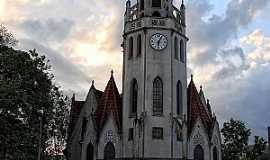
<point x="228" y="52"/>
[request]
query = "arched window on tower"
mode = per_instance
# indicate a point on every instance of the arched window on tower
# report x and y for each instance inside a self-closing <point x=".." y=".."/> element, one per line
<point x="156" y="3"/>
<point x="109" y="151"/>
<point x="176" y="48"/>
<point x="134" y="97"/>
<point x="130" y="50"/>
<point x="90" y="152"/>
<point x="142" y="5"/>
<point x="182" y="51"/>
<point x="139" y="45"/>
<point x="215" y="153"/>
<point x="198" y="153"/>
<point x="157" y="97"/>
<point x="179" y="98"/>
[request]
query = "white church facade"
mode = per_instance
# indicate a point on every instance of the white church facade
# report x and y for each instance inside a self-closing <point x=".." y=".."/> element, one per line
<point x="159" y="116"/>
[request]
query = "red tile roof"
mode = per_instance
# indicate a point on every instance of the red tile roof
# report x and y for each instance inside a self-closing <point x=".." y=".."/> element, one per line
<point x="196" y="109"/>
<point x="76" y="107"/>
<point x="110" y="103"/>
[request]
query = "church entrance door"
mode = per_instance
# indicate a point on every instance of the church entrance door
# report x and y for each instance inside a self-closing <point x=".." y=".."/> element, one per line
<point x="198" y="153"/>
<point x="109" y="151"/>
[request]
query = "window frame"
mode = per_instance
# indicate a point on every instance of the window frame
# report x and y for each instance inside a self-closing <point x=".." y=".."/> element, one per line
<point x="157" y="97"/>
<point x="139" y="45"/>
<point x="157" y="133"/>
<point x="134" y="89"/>
<point x="130" y="134"/>
<point x="182" y="51"/>
<point x="130" y="47"/>
<point x="176" y="48"/>
<point x="156" y="3"/>
<point x="179" y="98"/>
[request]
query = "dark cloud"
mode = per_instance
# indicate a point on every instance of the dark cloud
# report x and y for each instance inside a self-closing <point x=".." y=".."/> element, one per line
<point x="48" y="30"/>
<point x="65" y="71"/>
<point x="216" y="32"/>
<point x="234" y="62"/>
<point x="245" y="98"/>
<point x="236" y="89"/>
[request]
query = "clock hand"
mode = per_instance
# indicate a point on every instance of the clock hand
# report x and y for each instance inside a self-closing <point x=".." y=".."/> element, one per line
<point x="159" y="40"/>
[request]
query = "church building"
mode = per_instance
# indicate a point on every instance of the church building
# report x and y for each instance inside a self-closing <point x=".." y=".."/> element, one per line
<point x="159" y="116"/>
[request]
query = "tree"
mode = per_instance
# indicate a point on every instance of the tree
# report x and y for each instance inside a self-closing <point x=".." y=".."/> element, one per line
<point x="26" y="88"/>
<point x="236" y="137"/>
<point x="235" y="147"/>
<point x="258" y="149"/>
<point x="6" y="38"/>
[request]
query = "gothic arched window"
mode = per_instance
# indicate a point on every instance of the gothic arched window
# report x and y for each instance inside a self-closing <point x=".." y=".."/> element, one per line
<point x="215" y="153"/>
<point x="179" y="98"/>
<point x="130" y="50"/>
<point x="90" y="152"/>
<point x="139" y="45"/>
<point x="157" y="97"/>
<point x="134" y="97"/>
<point x="198" y="153"/>
<point x="182" y="51"/>
<point x="109" y="151"/>
<point x="176" y="48"/>
<point x="83" y="130"/>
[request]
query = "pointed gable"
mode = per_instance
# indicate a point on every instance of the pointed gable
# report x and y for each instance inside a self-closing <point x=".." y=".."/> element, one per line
<point x="202" y="96"/>
<point x="110" y="104"/>
<point x="196" y="109"/>
<point x="97" y="96"/>
<point x="203" y="100"/>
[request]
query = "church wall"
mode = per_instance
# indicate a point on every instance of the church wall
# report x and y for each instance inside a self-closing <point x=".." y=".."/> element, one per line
<point x="216" y="141"/>
<point x="78" y="149"/>
<point x="179" y="73"/>
<point x="162" y="64"/>
<point x="109" y="134"/>
<point x="199" y="137"/>
<point x="90" y="103"/>
<point x="75" y="146"/>
<point x="158" y="64"/>
<point x="134" y="68"/>
<point x="90" y="137"/>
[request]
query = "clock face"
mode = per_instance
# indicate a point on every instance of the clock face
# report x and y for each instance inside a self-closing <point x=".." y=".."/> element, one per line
<point x="158" y="41"/>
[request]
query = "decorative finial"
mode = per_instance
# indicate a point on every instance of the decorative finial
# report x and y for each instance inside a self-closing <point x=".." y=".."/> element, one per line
<point x="128" y="4"/>
<point x="208" y="101"/>
<point x="111" y="72"/>
<point x="182" y="5"/>
<point x="73" y="98"/>
<point x="93" y="82"/>
<point x="201" y="87"/>
<point x="192" y="77"/>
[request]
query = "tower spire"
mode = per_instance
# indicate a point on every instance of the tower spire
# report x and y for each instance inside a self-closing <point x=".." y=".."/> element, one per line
<point x="112" y="72"/>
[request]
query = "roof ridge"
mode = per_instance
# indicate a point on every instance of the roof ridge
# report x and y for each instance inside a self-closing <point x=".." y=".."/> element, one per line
<point x="110" y="103"/>
<point x="196" y="107"/>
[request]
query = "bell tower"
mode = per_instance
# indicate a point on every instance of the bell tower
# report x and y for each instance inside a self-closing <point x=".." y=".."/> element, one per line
<point x="154" y="80"/>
